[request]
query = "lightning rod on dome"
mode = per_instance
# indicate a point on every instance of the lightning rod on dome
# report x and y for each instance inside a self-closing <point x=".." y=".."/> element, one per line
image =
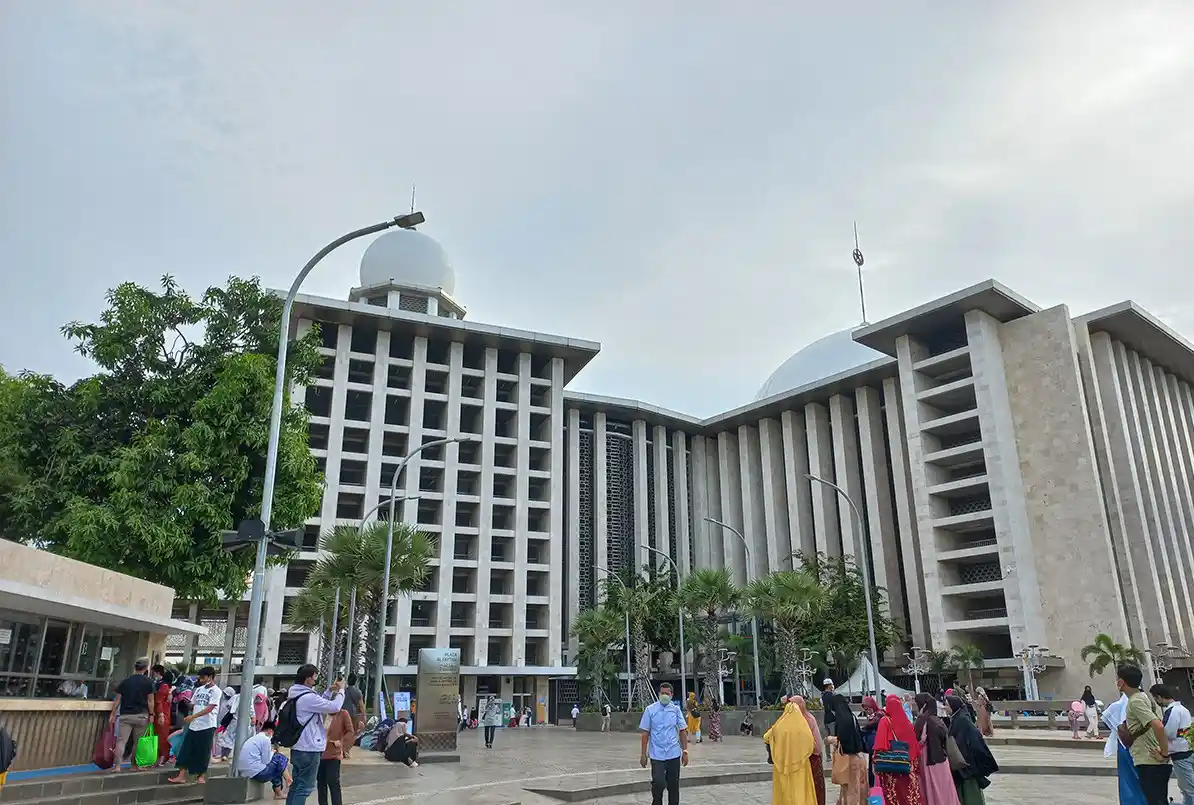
<point x="858" y="262"/>
<point x="412" y="201"/>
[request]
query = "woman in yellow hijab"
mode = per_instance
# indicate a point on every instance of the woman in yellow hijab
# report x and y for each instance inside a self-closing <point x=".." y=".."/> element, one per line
<point x="791" y="743"/>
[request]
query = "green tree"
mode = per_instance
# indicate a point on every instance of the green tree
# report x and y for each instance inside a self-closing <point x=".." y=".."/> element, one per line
<point x="139" y="467"/>
<point x="966" y="657"/>
<point x="792" y="600"/>
<point x="708" y="594"/>
<point x="639" y="597"/>
<point x="598" y="632"/>
<point x="842" y="625"/>
<point x="939" y="663"/>
<point x="354" y="558"/>
<point x="1105" y="653"/>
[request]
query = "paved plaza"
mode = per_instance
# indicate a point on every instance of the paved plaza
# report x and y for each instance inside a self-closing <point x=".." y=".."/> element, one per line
<point x="549" y="758"/>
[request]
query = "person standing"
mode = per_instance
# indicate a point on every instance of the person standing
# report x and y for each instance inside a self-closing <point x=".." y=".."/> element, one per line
<point x="491" y="717"/>
<point x="790" y="744"/>
<point x="134" y="705"/>
<point x="194" y="755"/>
<point x="1090" y="707"/>
<point x="899" y="787"/>
<point x="606" y="715"/>
<point x="694" y="718"/>
<point x="309" y="709"/>
<point x="816" y="760"/>
<point x="972" y="779"/>
<point x="163" y="680"/>
<point x="850" y="760"/>
<point x="1129" y="781"/>
<point x="1178" y="730"/>
<point x="1144" y="734"/>
<point x="339" y="737"/>
<point x="982" y="703"/>
<point x="575" y="714"/>
<point x="354" y="705"/>
<point x="936" y="781"/>
<point x="665" y="744"/>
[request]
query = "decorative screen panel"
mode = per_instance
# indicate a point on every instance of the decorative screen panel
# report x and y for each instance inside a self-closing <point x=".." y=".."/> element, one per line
<point x="671" y="506"/>
<point x="412" y="303"/>
<point x="619" y="501"/>
<point x="584" y="568"/>
<point x="652" y="540"/>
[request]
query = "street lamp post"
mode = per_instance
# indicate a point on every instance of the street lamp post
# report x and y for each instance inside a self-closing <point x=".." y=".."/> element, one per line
<point x="866" y="573"/>
<point x="257" y="598"/>
<point x="804" y="670"/>
<point x="385" y="573"/>
<point x="1033" y="660"/>
<point x="626" y="612"/>
<point x="680" y="615"/>
<point x="754" y="622"/>
<point x="917" y="665"/>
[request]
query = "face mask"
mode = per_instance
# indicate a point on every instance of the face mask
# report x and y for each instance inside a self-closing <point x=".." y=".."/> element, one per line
<point x="664" y="699"/>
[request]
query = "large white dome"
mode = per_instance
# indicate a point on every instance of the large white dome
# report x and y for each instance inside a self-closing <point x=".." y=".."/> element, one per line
<point x="823" y="358"/>
<point x="407" y="257"/>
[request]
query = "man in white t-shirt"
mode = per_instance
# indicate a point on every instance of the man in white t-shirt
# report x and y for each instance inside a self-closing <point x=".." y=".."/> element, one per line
<point x="194" y="756"/>
<point x="1177" y="721"/>
<point x="259" y="761"/>
<point x="575" y="715"/>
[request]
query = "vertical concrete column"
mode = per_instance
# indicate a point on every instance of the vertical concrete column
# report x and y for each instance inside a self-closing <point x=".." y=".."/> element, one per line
<point x="521" y="517"/>
<point x="824" y="499"/>
<point x="734" y="555"/>
<point x="802" y="532"/>
<point x="600" y="502"/>
<point x="714" y="480"/>
<point x="572" y="567"/>
<point x="680" y="483"/>
<point x="331" y="489"/>
<point x="229" y="638"/>
<point x="1183" y="450"/>
<point x="188" y="641"/>
<point x="377" y="420"/>
<point x="485" y="529"/>
<point x="642" y="534"/>
<point x="776" y="534"/>
<point x="751" y="492"/>
<point x="1125" y="497"/>
<point x="702" y="556"/>
<point x="663" y="538"/>
<point x="882" y="541"/>
<point x="845" y="462"/>
<point x="1021" y="587"/>
<point x="908" y="540"/>
<point x="447" y="537"/>
<point x="557" y="622"/>
<point x="399" y="653"/>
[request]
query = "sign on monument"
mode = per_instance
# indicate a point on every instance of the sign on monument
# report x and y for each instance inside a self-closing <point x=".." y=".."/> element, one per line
<point x="438" y="698"/>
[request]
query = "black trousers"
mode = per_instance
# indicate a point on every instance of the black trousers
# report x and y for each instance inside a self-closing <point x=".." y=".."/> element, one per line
<point x="665" y="774"/>
<point x="1154" y="783"/>
<point x="328" y="780"/>
<point x="489" y="733"/>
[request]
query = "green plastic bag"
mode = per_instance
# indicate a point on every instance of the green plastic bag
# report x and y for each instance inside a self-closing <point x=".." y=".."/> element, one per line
<point x="147" y="750"/>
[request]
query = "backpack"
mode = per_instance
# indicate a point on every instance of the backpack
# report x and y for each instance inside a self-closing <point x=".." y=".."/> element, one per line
<point x="288" y="729"/>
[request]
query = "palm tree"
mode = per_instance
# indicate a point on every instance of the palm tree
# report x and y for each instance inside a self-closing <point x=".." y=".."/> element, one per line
<point x="790" y="599"/>
<point x="597" y="630"/>
<point x="637" y="597"/>
<point x="707" y="594"/>
<point x="966" y="657"/>
<point x="939" y="663"/>
<point x="1104" y="652"/>
<point x="354" y="558"/>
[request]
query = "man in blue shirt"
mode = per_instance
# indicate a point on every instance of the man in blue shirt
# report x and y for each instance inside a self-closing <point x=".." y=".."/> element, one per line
<point x="665" y="744"/>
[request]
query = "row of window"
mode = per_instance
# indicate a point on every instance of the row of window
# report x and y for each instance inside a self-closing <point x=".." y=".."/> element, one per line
<point x="358" y="407"/>
<point x="363" y="339"/>
<point x="435" y="381"/>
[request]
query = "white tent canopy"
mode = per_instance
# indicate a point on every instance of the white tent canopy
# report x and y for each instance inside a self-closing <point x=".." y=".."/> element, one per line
<point x="862" y="682"/>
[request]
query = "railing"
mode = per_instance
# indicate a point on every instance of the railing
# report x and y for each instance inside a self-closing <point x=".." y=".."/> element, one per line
<point x="986" y="614"/>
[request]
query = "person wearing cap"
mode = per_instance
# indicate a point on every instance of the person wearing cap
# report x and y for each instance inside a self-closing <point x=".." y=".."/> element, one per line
<point x="827" y="688"/>
<point x="132" y="711"/>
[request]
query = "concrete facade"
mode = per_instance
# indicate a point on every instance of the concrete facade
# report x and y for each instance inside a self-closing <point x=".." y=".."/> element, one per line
<point x="999" y="454"/>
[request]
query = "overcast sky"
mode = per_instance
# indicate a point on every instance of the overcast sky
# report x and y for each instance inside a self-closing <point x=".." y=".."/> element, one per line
<point x="676" y="180"/>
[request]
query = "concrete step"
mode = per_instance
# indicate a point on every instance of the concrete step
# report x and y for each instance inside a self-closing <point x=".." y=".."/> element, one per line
<point x="102" y="789"/>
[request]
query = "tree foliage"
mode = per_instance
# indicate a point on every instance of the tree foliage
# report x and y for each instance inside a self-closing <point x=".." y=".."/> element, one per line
<point x="139" y="467"/>
<point x="966" y="657"/>
<point x="1105" y="653"/>
<point x="599" y="632"/>
<point x="708" y="594"/>
<point x="793" y="601"/>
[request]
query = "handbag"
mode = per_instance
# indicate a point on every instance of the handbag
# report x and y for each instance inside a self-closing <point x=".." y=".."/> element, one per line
<point x="895" y="759"/>
<point x="147" y="750"/>
<point x="104" y="755"/>
<point x="957" y="761"/>
<point x="841" y="768"/>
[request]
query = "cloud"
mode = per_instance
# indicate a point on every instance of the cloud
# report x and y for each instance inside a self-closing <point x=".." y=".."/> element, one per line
<point x="677" y="181"/>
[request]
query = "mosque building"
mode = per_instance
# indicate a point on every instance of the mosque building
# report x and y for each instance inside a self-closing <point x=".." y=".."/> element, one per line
<point x="1023" y="477"/>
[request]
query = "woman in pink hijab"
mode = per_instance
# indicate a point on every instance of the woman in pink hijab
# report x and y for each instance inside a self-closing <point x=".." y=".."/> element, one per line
<point x="816" y="760"/>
